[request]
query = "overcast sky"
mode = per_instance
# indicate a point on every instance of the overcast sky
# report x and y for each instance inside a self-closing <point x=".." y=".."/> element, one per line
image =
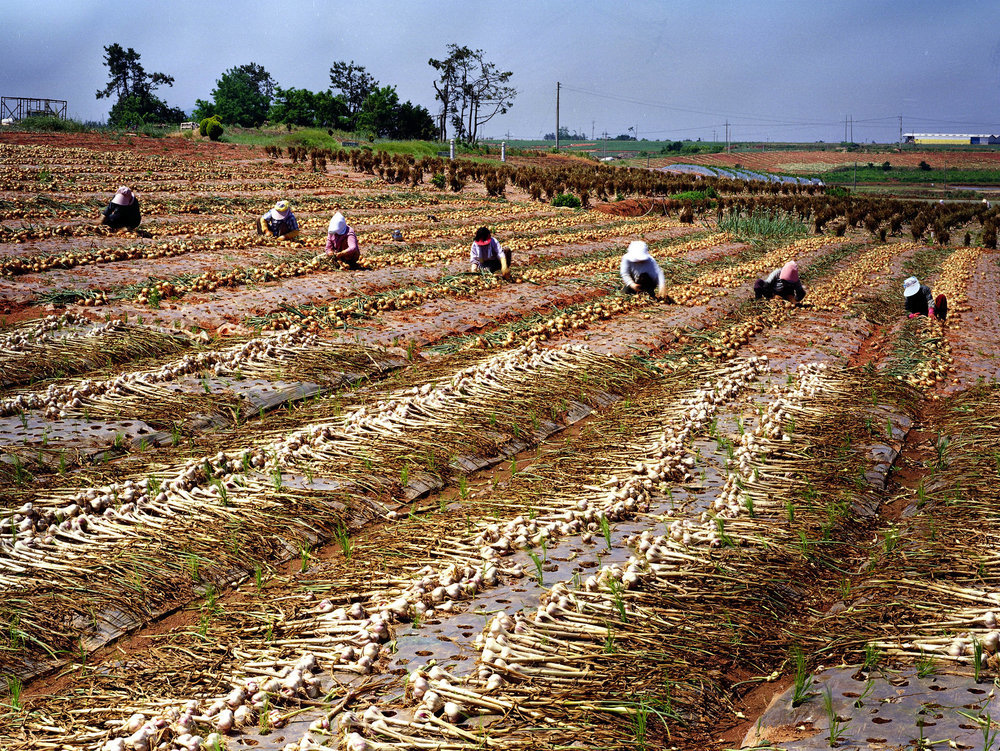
<point x="775" y="69"/>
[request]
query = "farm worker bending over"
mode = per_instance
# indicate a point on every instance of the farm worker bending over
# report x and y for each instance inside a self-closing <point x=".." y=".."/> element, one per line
<point x="487" y="253"/>
<point x="341" y="242"/>
<point x="783" y="283"/>
<point x="640" y="273"/>
<point x="123" y="211"/>
<point x="279" y="222"/>
<point x="920" y="302"/>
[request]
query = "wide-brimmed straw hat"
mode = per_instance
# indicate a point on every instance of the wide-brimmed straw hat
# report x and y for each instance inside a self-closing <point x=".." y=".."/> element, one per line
<point x="281" y="209"/>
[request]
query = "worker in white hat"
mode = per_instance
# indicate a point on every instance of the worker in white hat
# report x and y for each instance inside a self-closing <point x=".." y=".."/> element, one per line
<point x="920" y="300"/>
<point x="342" y="242"/>
<point x="279" y="222"/>
<point x="640" y="273"/>
<point x="123" y="211"/>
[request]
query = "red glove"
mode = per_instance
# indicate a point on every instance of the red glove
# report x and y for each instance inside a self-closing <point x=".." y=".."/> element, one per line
<point x="914" y="315"/>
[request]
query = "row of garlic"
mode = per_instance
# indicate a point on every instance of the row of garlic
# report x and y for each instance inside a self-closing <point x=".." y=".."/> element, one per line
<point x="396" y="414"/>
<point x="25" y="337"/>
<point x="61" y="401"/>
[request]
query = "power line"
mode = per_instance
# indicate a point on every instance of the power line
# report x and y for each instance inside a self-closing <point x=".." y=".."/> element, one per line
<point x="890" y="120"/>
<point x="632" y="100"/>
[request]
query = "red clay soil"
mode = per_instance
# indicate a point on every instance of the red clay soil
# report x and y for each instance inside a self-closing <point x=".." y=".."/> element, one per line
<point x="752" y="705"/>
<point x="704" y="255"/>
<point x="630" y="207"/>
<point x="173" y="146"/>
<point x="111" y="275"/>
<point x="780" y="161"/>
<point x="443" y="317"/>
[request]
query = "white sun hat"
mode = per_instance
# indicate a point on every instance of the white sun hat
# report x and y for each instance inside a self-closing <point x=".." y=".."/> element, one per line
<point x="123" y="197"/>
<point x="281" y="209"/>
<point x="911" y="286"/>
<point x="637" y="251"/>
<point x="338" y="225"/>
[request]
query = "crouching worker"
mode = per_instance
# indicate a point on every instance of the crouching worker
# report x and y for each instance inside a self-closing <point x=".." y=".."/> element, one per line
<point x="279" y="222"/>
<point x="921" y="302"/>
<point x="783" y="283"/>
<point x="640" y="273"/>
<point x="342" y="242"/>
<point x="123" y="211"/>
<point x="487" y="253"/>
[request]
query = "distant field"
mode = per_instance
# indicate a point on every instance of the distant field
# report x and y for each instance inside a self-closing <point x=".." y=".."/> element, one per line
<point x="599" y="146"/>
<point x="813" y="162"/>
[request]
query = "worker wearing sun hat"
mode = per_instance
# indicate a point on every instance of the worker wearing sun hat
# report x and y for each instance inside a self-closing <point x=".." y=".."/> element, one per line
<point x="640" y="272"/>
<point x="920" y="301"/>
<point x="279" y="222"/>
<point x="123" y="211"/>
<point x="487" y="253"/>
<point x="342" y="242"/>
<point x="783" y="283"/>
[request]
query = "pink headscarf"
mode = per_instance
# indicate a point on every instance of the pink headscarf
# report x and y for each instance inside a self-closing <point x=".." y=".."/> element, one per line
<point x="123" y="197"/>
<point x="790" y="272"/>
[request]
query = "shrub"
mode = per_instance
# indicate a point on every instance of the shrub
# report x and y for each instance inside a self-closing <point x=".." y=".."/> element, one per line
<point x="924" y="165"/>
<point x="438" y="180"/>
<point x="215" y="130"/>
<point x="566" y="199"/>
<point x="989" y="236"/>
<point x="886" y="166"/>
<point x="205" y="126"/>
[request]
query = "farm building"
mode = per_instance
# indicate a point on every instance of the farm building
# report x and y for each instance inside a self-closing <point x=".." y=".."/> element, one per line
<point x="951" y="139"/>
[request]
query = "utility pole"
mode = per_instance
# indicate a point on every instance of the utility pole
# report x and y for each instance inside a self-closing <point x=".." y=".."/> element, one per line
<point x="558" y="85"/>
<point x="727" y="136"/>
<point x="592" y="129"/>
<point x="714" y="134"/>
<point x="852" y="128"/>
<point x="845" y="128"/>
<point x="605" y="143"/>
<point x="900" y="132"/>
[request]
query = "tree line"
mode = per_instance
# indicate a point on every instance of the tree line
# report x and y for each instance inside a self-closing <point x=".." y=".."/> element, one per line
<point x="470" y="90"/>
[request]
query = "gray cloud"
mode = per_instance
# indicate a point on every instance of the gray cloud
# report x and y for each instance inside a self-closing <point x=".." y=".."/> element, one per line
<point x="775" y="69"/>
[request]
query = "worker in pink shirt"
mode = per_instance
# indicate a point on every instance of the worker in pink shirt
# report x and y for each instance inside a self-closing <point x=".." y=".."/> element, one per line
<point x="486" y="253"/>
<point x="342" y="242"/>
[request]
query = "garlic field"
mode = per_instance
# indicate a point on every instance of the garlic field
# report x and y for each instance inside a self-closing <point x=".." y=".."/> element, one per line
<point x="250" y="498"/>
